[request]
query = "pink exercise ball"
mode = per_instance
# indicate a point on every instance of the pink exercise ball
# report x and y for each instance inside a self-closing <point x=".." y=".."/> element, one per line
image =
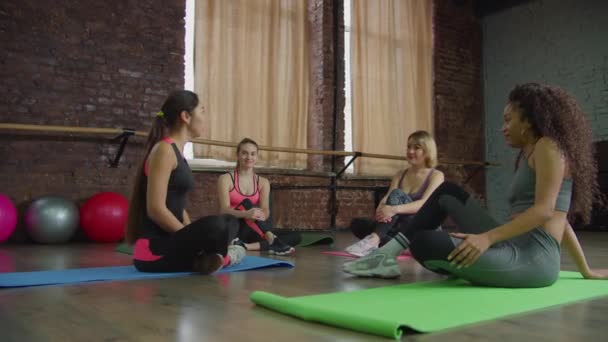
<point x="8" y="218"/>
<point x="103" y="217"/>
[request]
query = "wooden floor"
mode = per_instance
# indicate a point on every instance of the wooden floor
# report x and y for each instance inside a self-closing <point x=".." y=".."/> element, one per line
<point x="217" y="308"/>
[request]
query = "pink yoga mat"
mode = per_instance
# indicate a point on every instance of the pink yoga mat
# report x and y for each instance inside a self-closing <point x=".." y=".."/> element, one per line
<point x="402" y="256"/>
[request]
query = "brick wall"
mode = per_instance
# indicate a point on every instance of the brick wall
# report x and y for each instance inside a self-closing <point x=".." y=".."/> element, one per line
<point x="82" y="63"/>
<point x="459" y="126"/>
<point x="327" y="36"/>
<point x="87" y="63"/>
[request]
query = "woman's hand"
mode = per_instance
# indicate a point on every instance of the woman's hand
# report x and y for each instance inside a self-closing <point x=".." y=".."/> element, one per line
<point x="469" y="250"/>
<point x="385" y="213"/>
<point x="256" y="214"/>
<point x="595" y="274"/>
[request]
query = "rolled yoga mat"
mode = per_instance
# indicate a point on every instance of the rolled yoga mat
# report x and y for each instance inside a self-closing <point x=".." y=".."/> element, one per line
<point x="309" y="239"/>
<point x="124" y="248"/>
<point x="428" y="306"/>
<point x="84" y="275"/>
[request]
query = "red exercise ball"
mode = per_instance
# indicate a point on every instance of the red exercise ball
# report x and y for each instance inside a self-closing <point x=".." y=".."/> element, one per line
<point x="103" y="217"/>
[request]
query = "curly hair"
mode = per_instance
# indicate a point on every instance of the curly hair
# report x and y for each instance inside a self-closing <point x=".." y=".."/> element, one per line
<point x="555" y="114"/>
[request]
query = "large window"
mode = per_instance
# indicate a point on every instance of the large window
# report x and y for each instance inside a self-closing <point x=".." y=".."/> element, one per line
<point x="348" y="124"/>
<point x="389" y="78"/>
<point x="189" y="61"/>
<point x="248" y="60"/>
<point x="189" y="85"/>
<point x="388" y="50"/>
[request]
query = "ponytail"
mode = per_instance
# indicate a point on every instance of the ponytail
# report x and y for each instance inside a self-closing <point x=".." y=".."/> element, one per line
<point x="167" y="118"/>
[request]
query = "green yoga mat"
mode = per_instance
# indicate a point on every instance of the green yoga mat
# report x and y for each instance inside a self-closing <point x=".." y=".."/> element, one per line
<point x="308" y="239"/>
<point x="124" y="248"/>
<point x="428" y="306"/>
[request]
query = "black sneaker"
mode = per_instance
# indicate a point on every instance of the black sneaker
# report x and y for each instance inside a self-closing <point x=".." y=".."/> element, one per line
<point x="278" y="247"/>
<point x="239" y="242"/>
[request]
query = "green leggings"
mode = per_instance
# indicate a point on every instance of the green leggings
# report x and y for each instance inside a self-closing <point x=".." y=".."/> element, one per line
<point x="528" y="260"/>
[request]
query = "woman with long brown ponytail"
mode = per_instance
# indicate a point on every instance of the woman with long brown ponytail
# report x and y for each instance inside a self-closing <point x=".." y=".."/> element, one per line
<point x="165" y="238"/>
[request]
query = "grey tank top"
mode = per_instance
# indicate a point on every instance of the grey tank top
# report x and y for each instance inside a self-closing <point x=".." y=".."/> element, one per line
<point x="181" y="181"/>
<point x="522" y="190"/>
<point x="418" y="194"/>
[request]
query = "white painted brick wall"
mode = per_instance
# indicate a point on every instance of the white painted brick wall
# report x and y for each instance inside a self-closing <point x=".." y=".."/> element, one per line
<point x="562" y="42"/>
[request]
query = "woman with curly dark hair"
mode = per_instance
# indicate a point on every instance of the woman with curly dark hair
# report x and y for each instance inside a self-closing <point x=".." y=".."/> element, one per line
<point x="555" y="176"/>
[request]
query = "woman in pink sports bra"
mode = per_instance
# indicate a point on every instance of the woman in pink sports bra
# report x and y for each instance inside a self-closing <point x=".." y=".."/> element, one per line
<point x="409" y="189"/>
<point x="244" y="194"/>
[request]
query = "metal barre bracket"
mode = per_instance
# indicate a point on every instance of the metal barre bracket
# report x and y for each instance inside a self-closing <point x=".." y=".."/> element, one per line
<point x="123" y="139"/>
<point x="357" y="154"/>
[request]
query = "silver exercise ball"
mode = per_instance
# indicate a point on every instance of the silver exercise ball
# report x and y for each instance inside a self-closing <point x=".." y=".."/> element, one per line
<point x="51" y="219"/>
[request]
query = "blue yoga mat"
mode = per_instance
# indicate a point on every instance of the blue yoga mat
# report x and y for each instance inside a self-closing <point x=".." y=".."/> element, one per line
<point x="83" y="275"/>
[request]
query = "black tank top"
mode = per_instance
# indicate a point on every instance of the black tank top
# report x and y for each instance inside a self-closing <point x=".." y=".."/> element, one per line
<point x="181" y="182"/>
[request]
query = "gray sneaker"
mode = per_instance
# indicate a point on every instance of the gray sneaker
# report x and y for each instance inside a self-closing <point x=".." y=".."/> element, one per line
<point x="374" y="265"/>
<point x="236" y="253"/>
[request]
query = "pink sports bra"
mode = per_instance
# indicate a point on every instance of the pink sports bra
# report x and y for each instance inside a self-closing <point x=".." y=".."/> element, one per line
<point x="237" y="197"/>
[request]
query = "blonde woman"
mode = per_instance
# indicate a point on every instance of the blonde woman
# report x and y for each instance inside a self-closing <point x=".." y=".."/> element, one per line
<point x="409" y="189"/>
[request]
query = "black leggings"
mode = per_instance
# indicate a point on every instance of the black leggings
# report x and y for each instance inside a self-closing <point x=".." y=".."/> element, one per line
<point x="249" y="235"/>
<point x="177" y="252"/>
<point x="528" y="260"/>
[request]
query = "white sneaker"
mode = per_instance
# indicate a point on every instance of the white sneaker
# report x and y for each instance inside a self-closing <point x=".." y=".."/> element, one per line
<point x="364" y="246"/>
<point x="236" y="254"/>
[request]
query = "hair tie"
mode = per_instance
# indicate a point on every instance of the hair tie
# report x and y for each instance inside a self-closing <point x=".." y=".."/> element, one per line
<point x="160" y="114"/>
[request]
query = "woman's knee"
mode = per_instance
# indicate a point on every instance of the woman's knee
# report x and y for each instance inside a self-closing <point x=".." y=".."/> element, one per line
<point x="218" y="227"/>
<point x="452" y="189"/>
<point x="397" y="196"/>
